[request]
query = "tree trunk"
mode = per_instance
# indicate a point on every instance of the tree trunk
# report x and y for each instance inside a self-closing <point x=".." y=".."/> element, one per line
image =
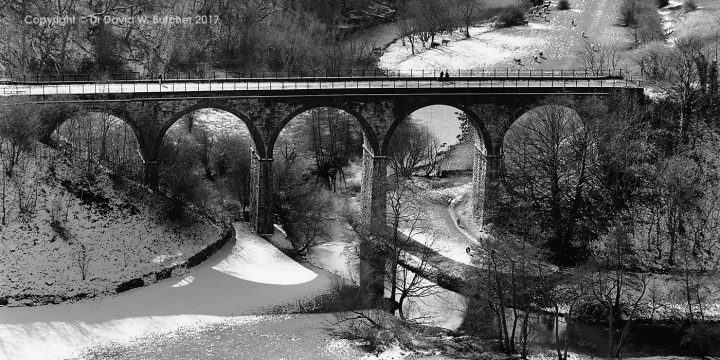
<point x="557" y="331"/>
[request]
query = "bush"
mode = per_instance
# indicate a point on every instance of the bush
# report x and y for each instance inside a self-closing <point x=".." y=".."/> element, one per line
<point x="628" y="12"/>
<point x="689" y="5"/>
<point x="662" y="3"/>
<point x="649" y="27"/>
<point x="130" y="284"/>
<point x="644" y="17"/>
<point x="511" y="17"/>
<point x="564" y="5"/>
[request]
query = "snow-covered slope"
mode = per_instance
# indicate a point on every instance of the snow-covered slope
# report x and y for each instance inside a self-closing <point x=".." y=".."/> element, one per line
<point x="218" y="290"/>
<point x="122" y="231"/>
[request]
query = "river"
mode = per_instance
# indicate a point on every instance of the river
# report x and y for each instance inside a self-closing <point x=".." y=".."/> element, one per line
<point x="454" y="311"/>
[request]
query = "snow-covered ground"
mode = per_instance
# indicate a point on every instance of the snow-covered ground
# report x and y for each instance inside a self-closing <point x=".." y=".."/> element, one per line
<point x="247" y="277"/>
<point x="498" y="47"/>
<point x="489" y="48"/>
<point x="124" y="236"/>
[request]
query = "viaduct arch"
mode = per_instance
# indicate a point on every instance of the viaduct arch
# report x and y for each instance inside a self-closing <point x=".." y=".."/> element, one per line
<point x="491" y="112"/>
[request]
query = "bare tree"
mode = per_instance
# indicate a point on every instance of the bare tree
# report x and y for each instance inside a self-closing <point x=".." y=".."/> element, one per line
<point x="468" y="11"/>
<point x="302" y="206"/>
<point x="511" y="267"/>
<point x="413" y="148"/>
<point x="599" y="59"/>
<point x="407" y="27"/>
<point x="18" y="131"/>
<point x="82" y="259"/>
<point x="549" y="164"/>
<point x="618" y="291"/>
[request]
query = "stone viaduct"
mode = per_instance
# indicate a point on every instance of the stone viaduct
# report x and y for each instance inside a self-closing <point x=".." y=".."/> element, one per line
<point x="378" y="110"/>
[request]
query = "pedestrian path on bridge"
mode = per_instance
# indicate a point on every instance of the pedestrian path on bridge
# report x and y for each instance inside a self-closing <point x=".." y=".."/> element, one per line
<point x="351" y="82"/>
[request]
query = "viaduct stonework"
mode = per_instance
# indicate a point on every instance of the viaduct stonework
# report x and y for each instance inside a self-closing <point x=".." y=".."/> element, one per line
<point x="378" y="110"/>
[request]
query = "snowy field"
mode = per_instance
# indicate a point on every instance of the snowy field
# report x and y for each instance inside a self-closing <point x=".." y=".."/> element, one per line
<point x="247" y="277"/>
<point x="490" y="48"/>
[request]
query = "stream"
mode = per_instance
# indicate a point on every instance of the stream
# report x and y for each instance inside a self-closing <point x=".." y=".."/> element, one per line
<point x="454" y="311"/>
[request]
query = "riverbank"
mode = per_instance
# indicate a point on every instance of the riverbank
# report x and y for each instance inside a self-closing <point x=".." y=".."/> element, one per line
<point x="85" y="238"/>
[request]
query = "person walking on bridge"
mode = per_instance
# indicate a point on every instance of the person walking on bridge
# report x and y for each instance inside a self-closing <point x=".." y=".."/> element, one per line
<point x="442" y="76"/>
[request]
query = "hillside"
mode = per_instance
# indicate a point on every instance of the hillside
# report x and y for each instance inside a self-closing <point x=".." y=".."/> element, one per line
<point x="80" y="236"/>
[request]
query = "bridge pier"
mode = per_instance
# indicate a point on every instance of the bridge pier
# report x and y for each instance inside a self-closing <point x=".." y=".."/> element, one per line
<point x="478" y="182"/>
<point x="373" y="205"/>
<point x="152" y="174"/>
<point x="491" y="185"/>
<point x="261" y="207"/>
<point x="372" y="190"/>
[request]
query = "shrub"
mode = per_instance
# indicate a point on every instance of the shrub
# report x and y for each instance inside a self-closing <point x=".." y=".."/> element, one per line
<point x="644" y="17"/>
<point x="511" y="17"/>
<point x="649" y="27"/>
<point x="662" y="3"/>
<point x="689" y="5"/>
<point x="563" y="5"/>
<point x="130" y="284"/>
<point x="628" y="12"/>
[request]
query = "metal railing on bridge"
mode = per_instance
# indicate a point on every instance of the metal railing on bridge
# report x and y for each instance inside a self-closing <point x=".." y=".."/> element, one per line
<point x="494" y="78"/>
<point x="311" y="74"/>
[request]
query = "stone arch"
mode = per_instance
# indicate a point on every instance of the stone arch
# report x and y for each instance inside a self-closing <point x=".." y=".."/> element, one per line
<point x="475" y="122"/>
<point x="515" y="113"/>
<point x="521" y="114"/>
<point x="119" y="113"/>
<point x="368" y="130"/>
<point x="481" y="152"/>
<point x="520" y="126"/>
<point x="254" y="132"/>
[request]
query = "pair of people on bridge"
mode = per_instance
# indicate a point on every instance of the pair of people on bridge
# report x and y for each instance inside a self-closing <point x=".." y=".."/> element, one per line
<point x="444" y="76"/>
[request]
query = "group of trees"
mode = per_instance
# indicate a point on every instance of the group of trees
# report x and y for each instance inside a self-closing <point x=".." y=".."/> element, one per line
<point x="643" y="17"/>
<point x="620" y="187"/>
<point x="414" y="150"/>
<point x="110" y="37"/>
<point x="98" y="138"/>
<point x="215" y="165"/>
<point x="423" y="20"/>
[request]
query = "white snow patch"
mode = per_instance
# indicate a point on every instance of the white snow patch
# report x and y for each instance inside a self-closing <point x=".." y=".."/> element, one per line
<point x="251" y="262"/>
<point x="392" y="353"/>
<point x="162" y="258"/>
<point x="185" y="281"/>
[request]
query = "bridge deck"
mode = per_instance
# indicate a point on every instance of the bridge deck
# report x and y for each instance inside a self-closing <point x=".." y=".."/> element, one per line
<point x="344" y="83"/>
<point x="326" y="85"/>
